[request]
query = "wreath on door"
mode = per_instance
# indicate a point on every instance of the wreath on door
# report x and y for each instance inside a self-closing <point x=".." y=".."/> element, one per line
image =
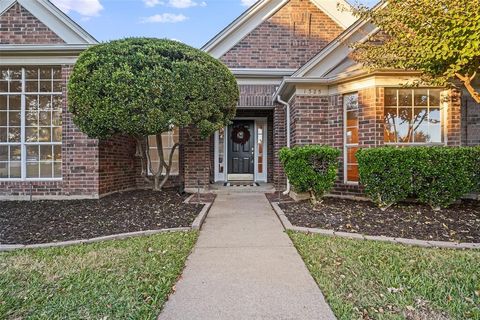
<point x="240" y="135"/>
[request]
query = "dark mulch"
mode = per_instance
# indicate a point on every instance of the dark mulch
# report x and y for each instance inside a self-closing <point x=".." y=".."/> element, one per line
<point x="24" y="222"/>
<point x="458" y="223"/>
<point x="278" y="197"/>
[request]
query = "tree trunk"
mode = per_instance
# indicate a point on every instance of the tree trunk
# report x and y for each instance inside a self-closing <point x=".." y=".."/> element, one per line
<point x="142" y="153"/>
<point x="159" y="182"/>
<point x="467" y="82"/>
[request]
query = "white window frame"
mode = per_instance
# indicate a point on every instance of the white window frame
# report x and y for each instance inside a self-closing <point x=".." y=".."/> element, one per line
<point x="443" y="117"/>
<point x="347" y="146"/>
<point x="23" y="144"/>
<point x="173" y="173"/>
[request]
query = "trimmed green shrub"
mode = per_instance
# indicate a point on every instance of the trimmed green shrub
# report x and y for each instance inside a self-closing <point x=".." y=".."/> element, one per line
<point x="386" y="173"/>
<point x="437" y="176"/>
<point x="311" y="168"/>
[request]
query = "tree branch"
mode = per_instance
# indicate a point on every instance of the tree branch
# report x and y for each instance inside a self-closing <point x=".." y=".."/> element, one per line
<point x="467" y="82"/>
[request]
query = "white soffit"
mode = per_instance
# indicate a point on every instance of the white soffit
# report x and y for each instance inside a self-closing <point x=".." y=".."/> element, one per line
<point x="57" y="21"/>
<point x="262" y="11"/>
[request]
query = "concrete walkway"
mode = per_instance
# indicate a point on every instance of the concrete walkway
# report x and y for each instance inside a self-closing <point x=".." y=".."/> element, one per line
<point x="245" y="267"/>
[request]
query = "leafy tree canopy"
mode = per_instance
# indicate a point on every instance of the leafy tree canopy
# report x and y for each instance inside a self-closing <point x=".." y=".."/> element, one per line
<point x="441" y="38"/>
<point x="141" y="87"/>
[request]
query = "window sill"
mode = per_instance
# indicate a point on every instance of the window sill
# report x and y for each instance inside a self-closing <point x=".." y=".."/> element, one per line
<point x="30" y="180"/>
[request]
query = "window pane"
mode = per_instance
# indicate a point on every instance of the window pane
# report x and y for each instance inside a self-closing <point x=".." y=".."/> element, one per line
<point x="44" y="118"/>
<point x="31" y="119"/>
<point x="15" y="153"/>
<point x="390" y="124"/>
<point x="3" y="153"/>
<point x="351" y="155"/>
<point x="45" y="102"/>
<point x="405" y="97"/>
<point x="14" y="134"/>
<point x="57" y="118"/>
<point x="57" y="103"/>
<point x="32" y="153"/>
<point x="3" y="170"/>
<point x="390" y="97"/>
<point x="14" y="102"/>
<point x="32" y="170"/>
<point x="57" y="134"/>
<point x="31" y="134"/>
<point x="434" y="97"/>
<point x="15" y="86"/>
<point x="3" y="134"/>
<point x="57" y="86"/>
<point x="31" y="102"/>
<point x="15" y="169"/>
<point x="352" y="135"/>
<point x="405" y="125"/>
<point x="46" y="169"/>
<point x="46" y="86"/>
<point x="3" y="119"/>
<point x="57" y="152"/>
<point x="31" y="73"/>
<point x="44" y="135"/>
<point x="46" y="153"/>
<point x="435" y="126"/>
<point x="3" y="102"/>
<point x="421" y="97"/>
<point x="57" y="73"/>
<point x="31" y="86"/>
<point x="14" y="119"/>
<point x="3" y="86"/>
<point x="57" y="170"/>
<point x="352" y="173"/>
<point x="421" y="125"/>
<point x="46" y="73"/>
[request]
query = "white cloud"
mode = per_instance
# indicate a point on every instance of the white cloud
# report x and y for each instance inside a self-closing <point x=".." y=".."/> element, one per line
<point x="248" y="3"/>
<point x="185" y="3"/>
<point x="165" y="18"/>
<point x="152" y="3"/>
<point x="179" y="4"/>
<point x="86" y="8"/>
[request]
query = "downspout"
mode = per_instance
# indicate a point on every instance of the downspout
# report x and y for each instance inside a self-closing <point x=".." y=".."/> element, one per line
<point x="287" y="107"/>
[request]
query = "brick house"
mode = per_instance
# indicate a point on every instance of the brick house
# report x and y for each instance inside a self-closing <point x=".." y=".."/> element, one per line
<point x="298" y="86"/>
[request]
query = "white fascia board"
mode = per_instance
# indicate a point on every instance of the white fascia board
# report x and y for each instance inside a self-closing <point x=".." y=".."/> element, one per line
<point x="5" y="5"/>
<point x="288" y="83"/>
<point x="56" y="20"/>
<point x="37" y="60"/>
<point x="338" y="11"/>
<point x="242" y="26"/>
<point x="12" y="48"/>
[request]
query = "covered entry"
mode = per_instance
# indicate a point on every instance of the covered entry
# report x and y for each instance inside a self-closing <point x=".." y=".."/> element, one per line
<point x="241" y="151"/>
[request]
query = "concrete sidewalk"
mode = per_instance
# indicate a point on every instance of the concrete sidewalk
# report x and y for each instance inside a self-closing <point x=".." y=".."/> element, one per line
<point x="245" y="267"/>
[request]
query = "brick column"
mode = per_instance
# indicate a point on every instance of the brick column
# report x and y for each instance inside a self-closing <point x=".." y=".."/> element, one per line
<point x="197" y="160"/>
<point x="454" y="121"/>
<point x="279" y="141"/>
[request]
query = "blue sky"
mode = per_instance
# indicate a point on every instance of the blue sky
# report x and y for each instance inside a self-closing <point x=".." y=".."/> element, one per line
<point x="191" y="21"/>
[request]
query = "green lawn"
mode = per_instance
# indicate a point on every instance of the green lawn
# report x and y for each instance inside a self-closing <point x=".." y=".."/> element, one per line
<point x="373" y="280"/>
<point x="128" y="279"/>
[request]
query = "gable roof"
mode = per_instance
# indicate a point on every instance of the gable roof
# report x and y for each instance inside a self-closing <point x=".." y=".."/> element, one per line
<point x="261" y="11"/>
<point x="57" y="21"/>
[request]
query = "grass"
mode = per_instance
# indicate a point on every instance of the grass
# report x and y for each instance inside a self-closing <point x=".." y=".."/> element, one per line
<point x="127" y="279"/>
<point x="373" y="280"/>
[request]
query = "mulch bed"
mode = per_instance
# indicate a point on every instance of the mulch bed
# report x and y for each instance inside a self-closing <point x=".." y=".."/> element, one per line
<point x="458" y="223"/>
<point x="24" y="222"/>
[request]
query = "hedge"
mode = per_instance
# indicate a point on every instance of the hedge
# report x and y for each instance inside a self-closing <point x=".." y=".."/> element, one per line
<point x="437" y="176"/>
<point x="311" y="168"/>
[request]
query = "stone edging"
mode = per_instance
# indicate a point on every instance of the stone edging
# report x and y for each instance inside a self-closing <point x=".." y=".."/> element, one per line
<point x="287" y="225"/>
<point x="196" y="225"/>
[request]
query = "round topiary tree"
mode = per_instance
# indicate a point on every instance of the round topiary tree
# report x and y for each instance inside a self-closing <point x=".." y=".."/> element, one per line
<point x="141" y="87"/>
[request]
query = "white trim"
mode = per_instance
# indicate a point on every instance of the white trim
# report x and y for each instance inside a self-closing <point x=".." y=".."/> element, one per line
<point x="54" y="19"/>
<point x="343" y="17"/>
<point x="36" y="61"/>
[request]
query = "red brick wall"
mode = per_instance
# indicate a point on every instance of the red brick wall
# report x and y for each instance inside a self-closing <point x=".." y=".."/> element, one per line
<point x="117" y="165"/>
<point x="470" y="121"/>
<point x="454" y="121"/>
<point x="291" y="37"/>
<point x="197" y="159"/>
<point x="256" y="95"/>
<point x="279" y="141"/>
<point x="18" y="26"/>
